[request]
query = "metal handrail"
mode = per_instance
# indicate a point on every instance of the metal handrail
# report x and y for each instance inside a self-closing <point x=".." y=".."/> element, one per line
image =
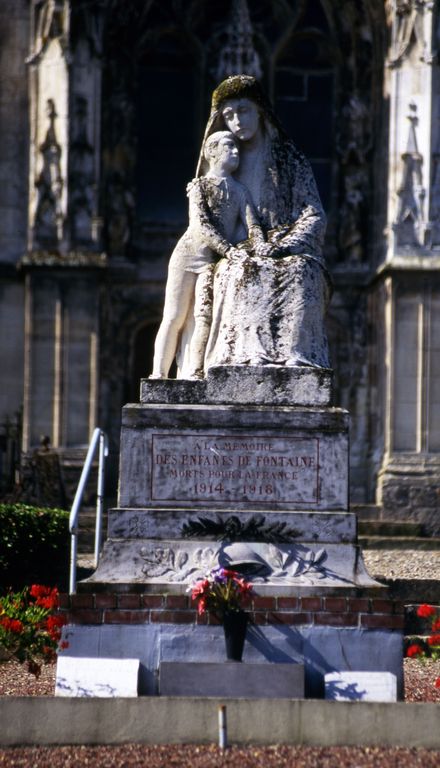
<point x="98" y="437"/>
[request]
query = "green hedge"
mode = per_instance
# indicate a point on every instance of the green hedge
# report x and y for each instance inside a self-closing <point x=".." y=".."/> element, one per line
<point x="34" y="546"/>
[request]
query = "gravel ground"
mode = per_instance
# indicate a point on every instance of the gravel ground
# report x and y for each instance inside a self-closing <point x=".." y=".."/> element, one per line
<point x="403" y="563"/>
<point x="16" y="681"/>
<point x="185" y="755"/>
<point x="419" y="686"/>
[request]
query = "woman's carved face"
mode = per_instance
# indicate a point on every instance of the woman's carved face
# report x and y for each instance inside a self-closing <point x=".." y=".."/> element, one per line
<point x="242" y="118"/>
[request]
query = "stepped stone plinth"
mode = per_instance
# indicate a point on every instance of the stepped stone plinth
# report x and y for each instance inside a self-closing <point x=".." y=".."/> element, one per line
<point x="261" y="488"/>
<point x="249" y="481"/>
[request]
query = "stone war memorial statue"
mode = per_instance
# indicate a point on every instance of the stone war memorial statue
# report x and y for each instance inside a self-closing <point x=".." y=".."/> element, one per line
<point x="242" y="462"/>
<point x="269" y="300"/>
<point x="219" y="207"/>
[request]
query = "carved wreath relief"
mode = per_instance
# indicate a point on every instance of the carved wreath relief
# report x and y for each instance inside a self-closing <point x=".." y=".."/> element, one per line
<point x="181" y="564"/>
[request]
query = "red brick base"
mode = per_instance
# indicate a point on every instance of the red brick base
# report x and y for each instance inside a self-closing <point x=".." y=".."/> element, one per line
<point x="114" y="608"/>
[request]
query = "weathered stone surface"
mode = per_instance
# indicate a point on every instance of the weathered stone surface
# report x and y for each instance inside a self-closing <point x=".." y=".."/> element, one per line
<point x="272" y="526"/>
<point x="249" y="681"/>
<point x="221" y="213"/>
<point x="274" y="568"/>
<point x="245" y="457"/>
<point x="412" y="491"/>
<point x="361" y="686"/>
<point x="265" y="302"/>
<point x="96" y="677"/>
<point x="245" y="385"/>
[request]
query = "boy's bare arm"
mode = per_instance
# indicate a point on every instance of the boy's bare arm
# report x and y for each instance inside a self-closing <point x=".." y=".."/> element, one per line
<point x="200" y="221"/>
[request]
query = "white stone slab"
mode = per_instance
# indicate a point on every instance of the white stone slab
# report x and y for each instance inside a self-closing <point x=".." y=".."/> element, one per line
<point x="96" y="677"/>
<point x="361" y="686"/>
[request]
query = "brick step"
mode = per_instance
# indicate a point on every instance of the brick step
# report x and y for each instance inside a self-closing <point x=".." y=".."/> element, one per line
<point x="390" y="528"/>
<point x="110" y="607"/>
<point x="399" y="542"/>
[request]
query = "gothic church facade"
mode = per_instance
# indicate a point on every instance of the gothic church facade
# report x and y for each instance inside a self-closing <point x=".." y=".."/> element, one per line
<point x="102" y="108"/>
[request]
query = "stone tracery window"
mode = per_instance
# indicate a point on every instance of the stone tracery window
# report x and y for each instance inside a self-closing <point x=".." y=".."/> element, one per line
<point x="311" y="68"/>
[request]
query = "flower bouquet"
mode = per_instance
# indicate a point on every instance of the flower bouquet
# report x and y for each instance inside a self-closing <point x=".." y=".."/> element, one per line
<point x="430" y="648"/>
<point x="30" y="629"/>
<point x="225" y="592"/>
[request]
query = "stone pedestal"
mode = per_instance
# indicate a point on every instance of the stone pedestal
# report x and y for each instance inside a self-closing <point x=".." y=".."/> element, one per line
<point x="261" y="488"/>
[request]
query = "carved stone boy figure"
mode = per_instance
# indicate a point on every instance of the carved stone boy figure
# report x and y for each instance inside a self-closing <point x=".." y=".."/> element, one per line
<point x="221" y="214"/>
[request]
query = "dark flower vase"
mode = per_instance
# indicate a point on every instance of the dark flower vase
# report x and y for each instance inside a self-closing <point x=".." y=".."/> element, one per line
<point x="234" y="626"/>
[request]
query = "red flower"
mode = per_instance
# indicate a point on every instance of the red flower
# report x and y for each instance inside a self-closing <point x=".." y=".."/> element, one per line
<point x="436" y="625"/>
<point x="12" y="625"/>
<point x="46" y="597"/>
<point x="414" y="650"/>
<point x="16" y="626"/>
<point x="227" y="573"/>
<point x="37" y="590"/>
<point x="199" y="589"/>
<point x="434" y="640"/>
<point x="425" y="611"/>
<point x="201" y="608"/>
<point x="245" y="586"/>
<point x="5" y="623"/>
<point x="63" y="645"/>
<point x="437" y="683"/>
<point x="53" y="626"/>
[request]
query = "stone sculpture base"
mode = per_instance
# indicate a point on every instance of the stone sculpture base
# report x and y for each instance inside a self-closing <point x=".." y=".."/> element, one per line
<point x="353" y="630"/>
<point x="261" y="487"/>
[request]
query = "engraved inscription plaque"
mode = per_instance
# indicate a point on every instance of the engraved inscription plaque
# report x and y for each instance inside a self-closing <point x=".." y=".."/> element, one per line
<point x="263" y="468"/>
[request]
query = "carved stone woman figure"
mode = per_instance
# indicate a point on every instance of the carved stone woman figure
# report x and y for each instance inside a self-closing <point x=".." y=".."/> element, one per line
<point x="268" y="306"/>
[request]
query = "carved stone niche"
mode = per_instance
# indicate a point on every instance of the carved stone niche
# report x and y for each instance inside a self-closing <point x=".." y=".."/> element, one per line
<point x="65" y="76"/>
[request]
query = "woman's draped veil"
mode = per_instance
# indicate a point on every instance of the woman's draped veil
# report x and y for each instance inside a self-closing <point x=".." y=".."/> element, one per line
<point x="239" y="87"/>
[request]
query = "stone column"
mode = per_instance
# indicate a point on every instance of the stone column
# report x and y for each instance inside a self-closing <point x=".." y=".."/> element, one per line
<point x="64" y="259"/>
<point x="61" y="357"/>
<point x="409" y="281"/>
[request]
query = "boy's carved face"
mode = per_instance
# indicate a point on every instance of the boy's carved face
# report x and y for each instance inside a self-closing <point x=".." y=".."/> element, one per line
<point x="227" y="154"/>
<point x="224" y="155"/>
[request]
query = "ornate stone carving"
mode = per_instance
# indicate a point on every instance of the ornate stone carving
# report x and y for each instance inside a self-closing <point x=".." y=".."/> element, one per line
<point x="51" y="22"/>
<point x="354" y="144"/>
<point x="119" y="163"/>
<point x="258" y="528"/>
<point x="238" y="54"/>
<point x="81" y="175"/>
<point x="172" y="565"/>
<point x="260" y="563"/>
<point x="408" y="30"/>
<point x="411" y="193"/>
<point x="49" y="219"/>
<point x="435" y="192"/>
